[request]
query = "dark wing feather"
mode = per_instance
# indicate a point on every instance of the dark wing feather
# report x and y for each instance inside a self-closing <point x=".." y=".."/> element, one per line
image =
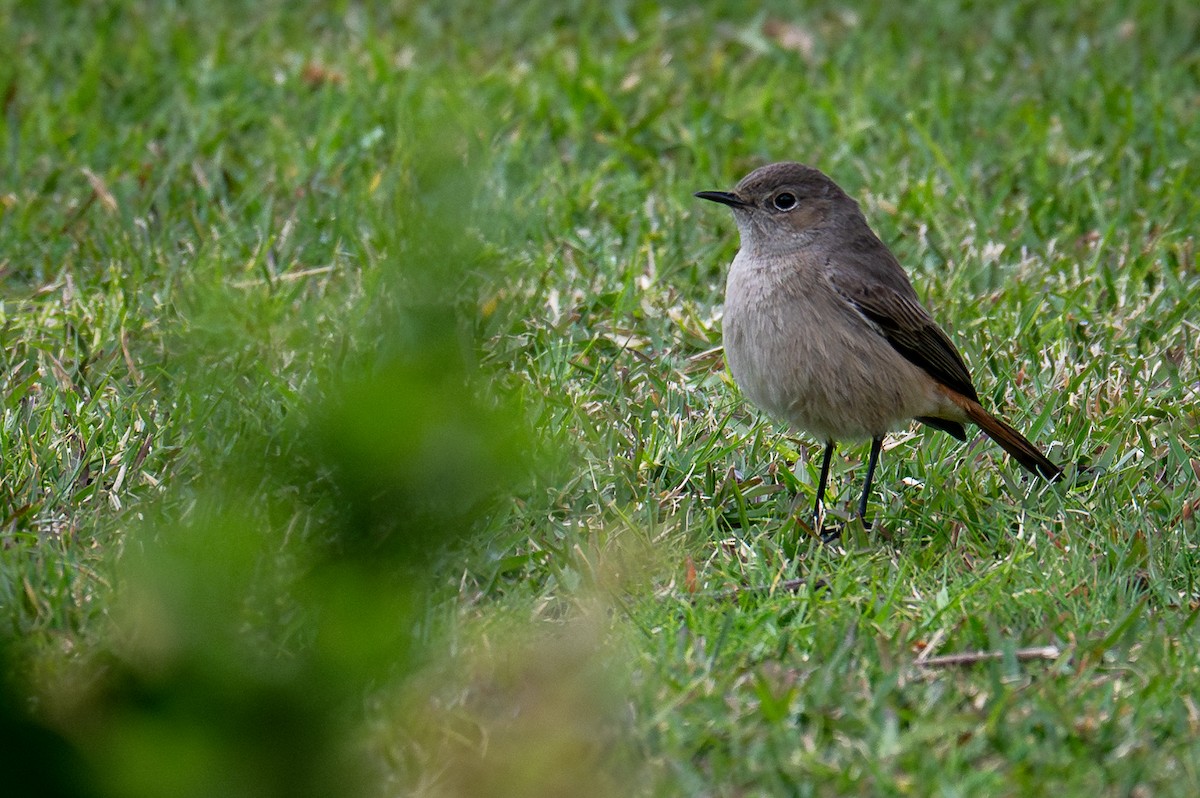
<point x="868" y="276"/>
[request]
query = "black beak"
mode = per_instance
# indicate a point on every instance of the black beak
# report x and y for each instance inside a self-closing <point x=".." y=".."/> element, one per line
<point x="723" y="197"/>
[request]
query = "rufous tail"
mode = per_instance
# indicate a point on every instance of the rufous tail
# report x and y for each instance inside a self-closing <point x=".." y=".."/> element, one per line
<point x="1010" y="440"/>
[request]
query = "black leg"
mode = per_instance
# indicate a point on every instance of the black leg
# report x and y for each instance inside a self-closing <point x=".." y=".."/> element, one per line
<point x="821" y="485"/>
<point x="872" y="461"/>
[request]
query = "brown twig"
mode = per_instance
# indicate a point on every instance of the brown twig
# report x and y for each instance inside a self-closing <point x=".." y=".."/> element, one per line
<point x="974" y="657"/>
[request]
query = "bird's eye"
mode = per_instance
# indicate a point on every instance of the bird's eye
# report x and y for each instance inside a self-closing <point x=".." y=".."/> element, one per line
<point x="784" y="201"/>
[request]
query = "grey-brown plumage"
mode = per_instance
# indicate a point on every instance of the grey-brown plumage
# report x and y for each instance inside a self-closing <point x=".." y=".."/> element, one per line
<point x="823" y="329"/>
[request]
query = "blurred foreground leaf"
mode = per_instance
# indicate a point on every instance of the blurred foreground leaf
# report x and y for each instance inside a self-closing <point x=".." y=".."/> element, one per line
<point x="263" y="602"/>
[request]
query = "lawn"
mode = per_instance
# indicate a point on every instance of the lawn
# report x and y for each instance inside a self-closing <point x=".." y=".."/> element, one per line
<point x="364" y="426"/>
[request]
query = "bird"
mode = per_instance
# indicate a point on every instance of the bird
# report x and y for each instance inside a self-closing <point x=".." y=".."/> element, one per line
<point x="822" y="327"/>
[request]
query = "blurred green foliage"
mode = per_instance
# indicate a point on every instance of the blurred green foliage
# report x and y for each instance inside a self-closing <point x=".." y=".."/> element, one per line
<point x="241" y="654"/>
<point x="259" y="601"/>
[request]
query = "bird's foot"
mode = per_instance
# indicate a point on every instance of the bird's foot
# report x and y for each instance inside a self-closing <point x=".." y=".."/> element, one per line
<point x="832" y="534"/>
<point x="835" y="534"/>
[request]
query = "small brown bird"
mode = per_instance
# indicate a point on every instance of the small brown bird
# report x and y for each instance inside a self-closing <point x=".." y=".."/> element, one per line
<point x="823" y="329"/>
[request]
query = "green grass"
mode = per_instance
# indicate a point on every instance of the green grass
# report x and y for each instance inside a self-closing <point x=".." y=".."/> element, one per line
<point x="361" y="380"/>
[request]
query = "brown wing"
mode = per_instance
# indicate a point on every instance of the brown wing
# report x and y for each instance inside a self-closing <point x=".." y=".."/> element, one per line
<point x="868" y="276"/>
